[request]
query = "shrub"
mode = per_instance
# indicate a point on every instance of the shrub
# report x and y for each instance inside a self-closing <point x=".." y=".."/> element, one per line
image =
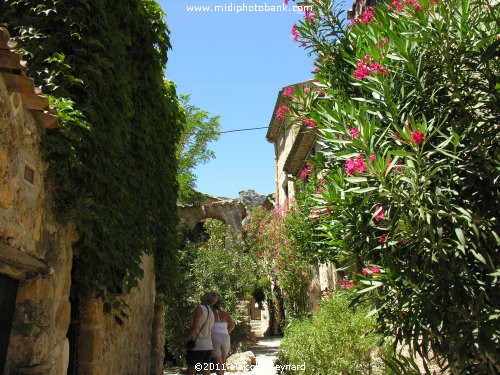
<point x="220" y="264"/>
<point x="335" y="340"/>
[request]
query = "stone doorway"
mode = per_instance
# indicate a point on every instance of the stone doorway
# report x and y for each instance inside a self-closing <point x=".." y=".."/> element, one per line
<point x="8" y="294"/>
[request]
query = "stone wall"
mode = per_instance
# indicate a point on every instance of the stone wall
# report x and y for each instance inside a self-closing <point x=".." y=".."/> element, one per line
<point x="104" y="347"/>
<point x="38" y="343"/>
<point x="36" y="250"/>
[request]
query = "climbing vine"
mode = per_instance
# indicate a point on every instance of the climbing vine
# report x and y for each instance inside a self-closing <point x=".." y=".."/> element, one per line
<point x="112" y="160"/>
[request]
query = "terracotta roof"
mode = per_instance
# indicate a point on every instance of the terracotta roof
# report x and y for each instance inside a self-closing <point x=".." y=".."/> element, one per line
<point x="22" y="90"/>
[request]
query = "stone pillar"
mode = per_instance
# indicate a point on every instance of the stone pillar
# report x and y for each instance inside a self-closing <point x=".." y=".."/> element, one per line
<point x="90" y="337"/>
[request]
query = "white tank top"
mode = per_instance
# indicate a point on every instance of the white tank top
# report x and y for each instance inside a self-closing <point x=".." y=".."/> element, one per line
<point x="220" y="328"/>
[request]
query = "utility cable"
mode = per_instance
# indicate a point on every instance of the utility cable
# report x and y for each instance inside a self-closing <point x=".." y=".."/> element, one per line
<point x="242" y="130"/>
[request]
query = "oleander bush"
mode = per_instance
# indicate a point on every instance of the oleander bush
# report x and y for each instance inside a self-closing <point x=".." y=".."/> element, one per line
<point x="407" y="114"/>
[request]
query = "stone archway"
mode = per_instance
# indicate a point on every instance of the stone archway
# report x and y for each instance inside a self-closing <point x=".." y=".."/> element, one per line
<point x="231" y="212"/>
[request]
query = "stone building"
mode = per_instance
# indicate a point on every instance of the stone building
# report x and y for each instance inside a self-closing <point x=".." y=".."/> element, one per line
<point x="41" y="331"/>
<point x="293" y="146"/>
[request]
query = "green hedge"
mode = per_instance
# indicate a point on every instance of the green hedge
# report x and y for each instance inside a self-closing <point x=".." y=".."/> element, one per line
<point x="335" y="340"/>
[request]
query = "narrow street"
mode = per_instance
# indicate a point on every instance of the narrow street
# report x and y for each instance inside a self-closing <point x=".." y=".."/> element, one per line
<point x="265" y="351"/>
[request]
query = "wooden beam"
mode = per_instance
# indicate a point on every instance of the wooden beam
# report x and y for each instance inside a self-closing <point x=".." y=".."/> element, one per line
<point x="46" y="120"/>
<point x="10" y="60"/>
<point x="17" y="83"/>
<point x="20" y="263"/>
<point x="32" y="101"/>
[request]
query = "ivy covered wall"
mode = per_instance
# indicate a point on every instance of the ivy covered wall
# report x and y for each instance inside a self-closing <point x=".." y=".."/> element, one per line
<point x="112" y="160"/>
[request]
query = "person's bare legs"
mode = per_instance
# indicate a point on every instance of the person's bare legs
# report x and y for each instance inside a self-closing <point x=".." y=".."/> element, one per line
<point x="223" y="364"/>
<point x="191" y="370"/>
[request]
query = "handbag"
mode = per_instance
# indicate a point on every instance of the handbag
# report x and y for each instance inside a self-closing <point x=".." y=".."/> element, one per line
<point x="192" y="343"/>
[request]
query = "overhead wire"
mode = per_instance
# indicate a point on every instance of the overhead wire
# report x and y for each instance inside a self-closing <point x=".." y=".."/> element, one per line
<point x="242" y="130"/>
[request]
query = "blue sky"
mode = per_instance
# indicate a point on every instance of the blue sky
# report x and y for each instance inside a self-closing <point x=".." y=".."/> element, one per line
<point x="233" y="65"/>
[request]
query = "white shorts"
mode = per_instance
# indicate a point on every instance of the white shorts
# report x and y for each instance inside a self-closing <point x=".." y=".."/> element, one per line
<point x="221" y="345"/>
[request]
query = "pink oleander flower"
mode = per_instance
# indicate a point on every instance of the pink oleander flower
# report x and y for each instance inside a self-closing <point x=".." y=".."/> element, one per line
<point x="320" y="190"/>
<point x="309" y="122"/>
<point x="375" y="270"/>
<point x="328" y="210"/>
<point x="375" y="67"/>
<point x="281" y="112"/>
<point x="414" y="4"/>
<point x="398" y="168"/>
<point x="361" y="73"/>
<point x="288" y="91"/>
<point x="379" y="213"/>
<point x="357" y="165"/>
<point x="383" y="239"/>
<point x="304" y="273"/>
<point x="306" y="89"/>
<point x="306" y="171"/>
<point x="350" y="166"/>
<point x="354" y="132"/>
<point x="398" y="5"/>
<point x="360" y="164"/>
<point x="366" y="17"/>
<point x="365" y="271"/>
<point x="418" y="137"/>
<point x="366" y="67"/>
<point x="295" y="33"/>
<point x="350" y="284"/>
<point x="276" y="270"/>
<point x="372" y="158"/>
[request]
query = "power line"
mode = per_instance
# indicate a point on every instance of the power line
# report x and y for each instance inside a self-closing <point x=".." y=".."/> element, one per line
<point x="242" y="130"/>
<point x="232" y="131"/>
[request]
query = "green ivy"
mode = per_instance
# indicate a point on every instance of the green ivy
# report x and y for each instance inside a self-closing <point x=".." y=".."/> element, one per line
<point x="112" y="160"/>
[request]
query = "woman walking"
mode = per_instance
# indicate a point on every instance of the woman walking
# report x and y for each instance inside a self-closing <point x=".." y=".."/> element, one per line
<point x="221" y="342"/>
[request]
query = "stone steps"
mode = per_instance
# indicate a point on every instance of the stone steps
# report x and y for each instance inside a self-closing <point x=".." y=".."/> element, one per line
<point x="255" y="326"/>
